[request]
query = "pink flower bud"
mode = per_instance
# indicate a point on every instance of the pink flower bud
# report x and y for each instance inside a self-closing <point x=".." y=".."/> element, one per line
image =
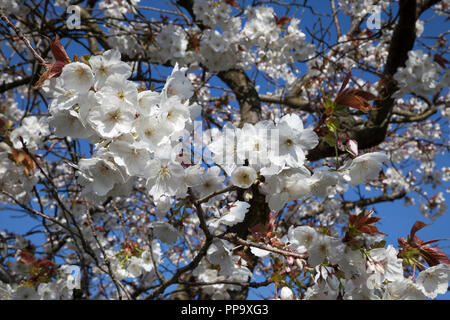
<point x="290" y="260"/>
<point x="352" y="146"/>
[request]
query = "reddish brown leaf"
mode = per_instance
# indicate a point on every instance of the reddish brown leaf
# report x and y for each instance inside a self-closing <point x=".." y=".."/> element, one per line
<point x="26" y="258"/>
<point x="45" y="263"/>
<point x="353" y="101"/>
<point x="416" y="227"/>
<point x="53" y="71"/>
<point x="259" y="228"/>
<point x="100" y="228"/>
<point x="58" y="51"/>
<point x="383" y="83"/>
<point x="433" y="241"/>
<point x="415" y="242"/>
<point x="56" y="69"/>
<point x="402" y="242"/>
<point x="21" y="157"/>
<point x="194" y="41"/>
<point x="258" y="232"/>
<point x="352" y="219"/>
<point x="281" y="22"/>
<point x="371" y="230"/>
<point x="345" y="82"/>
<point x="361" y="93"/>
<point x="440" y="60"/>
<point x="434" y="255"/>
<point x="233" y="3"/>
<point x="18" y="155"/>
<point x="371" y="220"/>
<point x="355" y="98"/>
<point x="352" y="97"/>
<point x="363" y="223"/>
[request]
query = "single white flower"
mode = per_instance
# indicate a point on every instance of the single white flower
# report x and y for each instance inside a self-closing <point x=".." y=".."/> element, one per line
<point x="286" y="294"/>
<point x="260" y="253"/>
<point x="131" y="155"/>
<point x="224" y="147"/>
<point x="211" y="181"/>
<point x="403" y="289"/>
<point x="293" y="140"/>
<point x="234" y="213"/>
<point x="253" y="143"/>
<point x="135" y="267"/>
<point x="107" y="64"/>
<point x="365" y="167"/>
<point x="177" y="84"/>
<point x="164" y="176"/>
<point x="321" y="180"/>
<point x="323" y="247"/>
<point x="165" y="232"/>
<point x="112" y="120"/>
<point x="26" y="293"/>
<point x="174" y="113"/>
<point x="287" y="186"/>
<point x="163" y="204"/>
<point x="152" y="131"/>
<point x="77" y="76"/>
<point x="148" y="102"/>
<point x="302" y="238"/>
<point x="434" y="280"/>
<point x="67" y="123"/>
<point x="118" y="87"/>
<point x="385" y="262"/>
<point x="243" y="177"/>
<point x="47" y="291"/>
<point x="219" y="254"/>
<point x="98" y="175"/>
<point x="193" y="175"/>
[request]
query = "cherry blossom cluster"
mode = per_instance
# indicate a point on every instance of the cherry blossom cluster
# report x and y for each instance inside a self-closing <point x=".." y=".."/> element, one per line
<point x="16" y="179"/>
<point x="362" y="274"/>
<point x="136" y="132"/>
<point x="362" y="8"/>
<point x="429" y="283"/>
<point x="421" y="75"/>
<point x="277" y="152"/>
<point x="60" y="288"/>
<point x="227" y="42"/>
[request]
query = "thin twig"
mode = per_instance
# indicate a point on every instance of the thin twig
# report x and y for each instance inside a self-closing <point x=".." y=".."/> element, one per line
<point x="22" y="37"/>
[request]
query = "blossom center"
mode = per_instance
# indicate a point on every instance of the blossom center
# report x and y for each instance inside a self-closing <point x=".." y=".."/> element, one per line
<point x="289" y="142"/>
<point x="164" y="171"/>
<point x="148" y="132"/>
<point x="114" y="116"/>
